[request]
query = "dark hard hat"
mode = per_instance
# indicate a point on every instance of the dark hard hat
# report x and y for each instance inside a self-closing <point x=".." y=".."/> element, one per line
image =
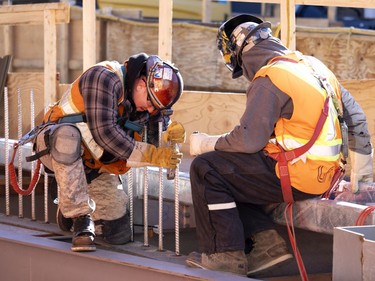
<point x="234" y="34"/>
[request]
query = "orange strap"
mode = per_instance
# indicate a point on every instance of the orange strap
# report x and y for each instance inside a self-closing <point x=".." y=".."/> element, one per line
<point x="13" y="177"/>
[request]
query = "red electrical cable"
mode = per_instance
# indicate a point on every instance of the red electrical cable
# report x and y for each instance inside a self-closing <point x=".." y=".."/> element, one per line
<point x="13" y="177"/>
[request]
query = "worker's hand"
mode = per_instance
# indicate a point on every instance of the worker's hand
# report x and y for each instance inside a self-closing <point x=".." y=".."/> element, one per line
<point x="145" y="154"/>
<point x="175" y="133"/>
<point x="201" y="143"/>
<point x="361" y="169"/>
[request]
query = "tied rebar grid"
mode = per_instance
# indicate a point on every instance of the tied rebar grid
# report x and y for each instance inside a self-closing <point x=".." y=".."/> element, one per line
<point x="7" y="150"/>
<point x="130" y="178"/>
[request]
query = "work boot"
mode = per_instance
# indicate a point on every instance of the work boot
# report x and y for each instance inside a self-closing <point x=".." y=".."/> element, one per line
<point x="234" y="261"/>
<point x="83" y="234"/>
<point x="65" y="224"/>
<point x="269" y="250"/>
<point x="116" y="232"/>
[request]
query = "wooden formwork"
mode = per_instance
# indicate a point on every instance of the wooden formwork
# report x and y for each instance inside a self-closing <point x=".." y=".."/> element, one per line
<point x="196" y="110"/>
<point x="348" y="52"/>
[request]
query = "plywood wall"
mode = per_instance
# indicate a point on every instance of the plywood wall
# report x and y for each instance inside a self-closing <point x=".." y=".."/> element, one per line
<point x="217" y="113"/>
<point x="350" y="53"/>
<point x="208" y="112"/>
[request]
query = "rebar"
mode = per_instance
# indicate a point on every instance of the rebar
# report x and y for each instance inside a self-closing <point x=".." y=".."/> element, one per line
<point x="46" y="220"/>
<point x="161" y="188"/>
<point x="177" y="211"/>
<point x="32" y="125"/>
<point x="131" y="202"/>
<point x="20" y="197"/>
<point x="145" y="198"/>
<point x="6" y="135"/>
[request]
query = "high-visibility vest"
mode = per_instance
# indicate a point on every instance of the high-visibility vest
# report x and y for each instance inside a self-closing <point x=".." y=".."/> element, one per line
<point x="72" y="103"/>
<point x="313" y="171"/>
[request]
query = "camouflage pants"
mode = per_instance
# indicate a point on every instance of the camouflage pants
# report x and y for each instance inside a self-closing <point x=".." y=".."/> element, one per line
<point x="103" y="198"/>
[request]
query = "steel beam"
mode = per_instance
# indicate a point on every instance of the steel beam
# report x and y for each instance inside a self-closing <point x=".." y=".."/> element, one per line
<point x="28" y="257"/>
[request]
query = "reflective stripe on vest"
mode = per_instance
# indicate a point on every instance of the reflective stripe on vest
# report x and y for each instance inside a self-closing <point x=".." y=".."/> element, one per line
<point x="72" y="103"/>
<point x="308" y="98"/>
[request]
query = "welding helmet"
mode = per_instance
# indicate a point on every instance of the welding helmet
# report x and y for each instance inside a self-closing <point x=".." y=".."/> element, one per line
<point x="164" y="83"/>
<point x="236" y="33"/>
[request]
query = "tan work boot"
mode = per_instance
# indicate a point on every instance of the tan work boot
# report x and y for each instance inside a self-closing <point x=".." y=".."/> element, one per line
<point x="269" y="250"/>
<point x="234" y="261"/>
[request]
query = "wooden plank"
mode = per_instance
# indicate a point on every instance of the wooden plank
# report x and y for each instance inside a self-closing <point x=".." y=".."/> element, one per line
<point x="89" y="34"/>
<point x="63" y="52"/>
<point x="288" y="23"/>
<point x="128" y="13"/>
<point x="7" y="39"/>
<point x="287" y="12"/>
<point x="334" y="3"/>
<point x="206" y="11"/>
<point x="33" y="13"/>
<point x="203" y="112"/>
<point x="165" y="30"/>
<point x="50" y="60"/>
<point x="4" y="69"/>
<point x="339" y="3"/>
<point x="363" y="92"/>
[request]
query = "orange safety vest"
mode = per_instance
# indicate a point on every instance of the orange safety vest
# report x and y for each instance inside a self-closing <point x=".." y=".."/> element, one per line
<point x="72" y="103"/>
<point x="313" y="171"/>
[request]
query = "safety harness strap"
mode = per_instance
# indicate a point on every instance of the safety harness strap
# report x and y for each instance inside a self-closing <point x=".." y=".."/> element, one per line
<point x="284" y="157"/>
<point x="41" y="153"/>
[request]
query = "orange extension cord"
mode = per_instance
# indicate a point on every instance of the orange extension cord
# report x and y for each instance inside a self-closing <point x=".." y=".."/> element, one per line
<point x="13" y="177"/>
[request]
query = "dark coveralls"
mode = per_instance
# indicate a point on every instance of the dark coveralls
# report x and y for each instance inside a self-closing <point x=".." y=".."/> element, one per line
<point x="232" y="185"/>
<point x="250" y="181"/>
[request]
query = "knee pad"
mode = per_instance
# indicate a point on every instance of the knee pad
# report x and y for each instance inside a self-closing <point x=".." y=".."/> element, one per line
<point x="65" y="144"/>
<point x="61" y="141"/>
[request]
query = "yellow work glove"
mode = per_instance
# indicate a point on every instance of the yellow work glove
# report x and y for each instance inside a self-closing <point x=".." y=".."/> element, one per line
<point x="175" y="133"/>
<point x="145" y="154"/>
<point x="361" y="169"/>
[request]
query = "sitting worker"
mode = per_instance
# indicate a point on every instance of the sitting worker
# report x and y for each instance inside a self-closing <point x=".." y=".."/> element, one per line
<point x="236" y="175"/>
<point x="94" y="134"/>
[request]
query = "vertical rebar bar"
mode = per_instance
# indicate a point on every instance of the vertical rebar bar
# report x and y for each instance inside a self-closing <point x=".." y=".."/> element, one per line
<point x="19" y="126"/>
<point x="46" y="220"/>
<point x="177" y="211"/>
<point x="6" y="135"/>
<point x="161" y="188"/>
<point x="145" y="198"/>
<point x="32" y="125"/>
<point x="131" y="202"/>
